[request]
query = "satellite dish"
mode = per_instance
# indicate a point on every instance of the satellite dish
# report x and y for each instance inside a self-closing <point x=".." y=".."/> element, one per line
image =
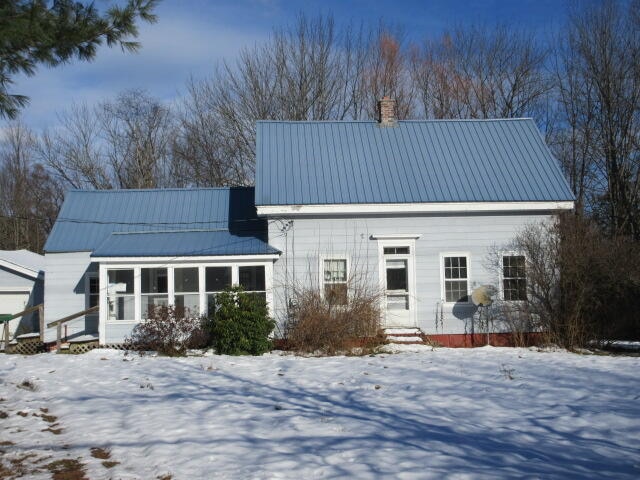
<point x="481" y="296"/>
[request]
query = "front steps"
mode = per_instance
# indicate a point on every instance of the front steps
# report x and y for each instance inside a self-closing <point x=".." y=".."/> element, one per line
<point x="404" y="336"/>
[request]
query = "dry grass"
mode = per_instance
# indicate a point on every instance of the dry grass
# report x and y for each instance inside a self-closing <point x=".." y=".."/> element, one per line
<point x="67" y="469"/>
<point x="329" y="324"/>
<point x="101" y="453"/>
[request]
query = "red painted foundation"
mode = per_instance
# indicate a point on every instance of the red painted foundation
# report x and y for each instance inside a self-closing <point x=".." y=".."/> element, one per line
<point x="464" y="340"/>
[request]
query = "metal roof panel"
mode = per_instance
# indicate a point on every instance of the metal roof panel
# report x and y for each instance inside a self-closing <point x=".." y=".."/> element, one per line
<point x="342" y="162"/>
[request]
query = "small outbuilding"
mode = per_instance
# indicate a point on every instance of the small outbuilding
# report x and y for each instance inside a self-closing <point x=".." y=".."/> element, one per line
<point x="21" y="287"/>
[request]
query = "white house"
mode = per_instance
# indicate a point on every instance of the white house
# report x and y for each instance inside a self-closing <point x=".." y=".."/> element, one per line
<point x="416" y="205"/>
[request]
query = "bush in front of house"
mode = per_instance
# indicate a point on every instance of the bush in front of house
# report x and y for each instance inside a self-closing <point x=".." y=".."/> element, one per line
<point x="239" y="323"/>
<point x="169" y="331"/>
<point x="323" y="322"/>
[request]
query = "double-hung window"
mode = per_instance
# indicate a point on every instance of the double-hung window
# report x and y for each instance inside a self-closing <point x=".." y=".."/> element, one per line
<point x="154" y="290"/>
<point x="94" y="291"/>
<point x="335" y="280"/>
<point x="514" y="280"/>
<point x="456" y="279"/>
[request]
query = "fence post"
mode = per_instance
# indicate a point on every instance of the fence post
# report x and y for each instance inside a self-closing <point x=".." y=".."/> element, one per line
<point x="58" y="336"/>
<point x="41" y="321"/>
<point x="6" y="335"/>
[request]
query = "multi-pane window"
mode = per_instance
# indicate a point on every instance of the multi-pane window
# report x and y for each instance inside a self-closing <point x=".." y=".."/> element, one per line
<point x="94" y="291"/>
<point x="216" y="280"/>
<point x="120" y="295"/>
<point x="335" y="280"/>
<point x="456" y="279"/>
<point x="514" y="281"/>
<point x="396" y="250"/>
<point x="132" y="293"/>
<point x="252" y="279"/>
<point x="154" y="289"/>
<point x="186" y="288"/>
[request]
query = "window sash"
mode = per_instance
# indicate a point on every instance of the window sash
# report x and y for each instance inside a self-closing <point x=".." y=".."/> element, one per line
<point x="217" y="283"/>
<point x="456" y="279"/>
<point x="154" y="280"/>
<point x="514" y="279"/>
<point x="334" y="280"/>
<point x="186" y="280"/>
<point x="94" y="291"/>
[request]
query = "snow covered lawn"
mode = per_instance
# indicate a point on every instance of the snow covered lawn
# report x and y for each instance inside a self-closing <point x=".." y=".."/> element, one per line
<point x="457" y="413"/>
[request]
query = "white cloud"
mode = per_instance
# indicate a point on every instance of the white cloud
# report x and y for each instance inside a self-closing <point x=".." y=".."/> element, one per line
<point x="175" y="48"/>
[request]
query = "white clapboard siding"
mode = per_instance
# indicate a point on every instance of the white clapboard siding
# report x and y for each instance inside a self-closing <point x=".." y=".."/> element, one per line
<point x="309" y="239"/>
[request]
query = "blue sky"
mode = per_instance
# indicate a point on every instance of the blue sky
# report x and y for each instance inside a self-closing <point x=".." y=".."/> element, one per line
<point x="192" y="35"/>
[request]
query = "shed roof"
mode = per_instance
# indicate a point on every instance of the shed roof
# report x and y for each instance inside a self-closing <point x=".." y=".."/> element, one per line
<point x="23" y="261"/>
<point x="181" y="243"/>
<point x="88" y="218"/>
<point x="350" y="162"/>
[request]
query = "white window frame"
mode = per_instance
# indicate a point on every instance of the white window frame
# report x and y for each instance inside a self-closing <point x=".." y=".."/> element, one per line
<point x="443" y="295"/>
<point x="104" y="295"/>
<point x="340" y="256"/>
<point x="170" y="292"/>
<point x="87" y="288"/>
<point x="137" y="263"/>
<point x="511" y="253"/>
<point x="171" y="288"/>
<point x="399" y="240"/>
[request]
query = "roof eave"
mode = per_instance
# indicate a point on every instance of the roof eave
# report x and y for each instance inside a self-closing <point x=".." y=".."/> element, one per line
<point x="408" y="208"/>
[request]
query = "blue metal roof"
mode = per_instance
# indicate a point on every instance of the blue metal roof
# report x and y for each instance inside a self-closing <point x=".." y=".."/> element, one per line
<point x="181" y="243"/>
<point x="340" y="162"/>
<point x="88" y="217"/>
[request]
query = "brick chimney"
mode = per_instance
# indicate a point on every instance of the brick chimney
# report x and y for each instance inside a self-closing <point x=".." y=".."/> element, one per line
<point x="387" y="112"/>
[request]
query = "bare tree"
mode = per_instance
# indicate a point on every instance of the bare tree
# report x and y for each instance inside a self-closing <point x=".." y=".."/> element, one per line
<point x="29" y="196"/>
<point x="387" y="73"/>
<point x="598" y="77"/>
<point x="138" y="133"/>
<point x="481" y="72"/>
<point x="74" y="150"/>
<point x="123" y="143"/>
<point x="311" y="71"/>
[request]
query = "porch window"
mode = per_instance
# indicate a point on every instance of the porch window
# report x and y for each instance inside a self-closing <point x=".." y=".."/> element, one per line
<point x="120" y="295"/>
<point x="252" y="279"/>
<point x="154" y="289"/>
<point x="216" y="280"/>
<point x="514" y="280"/>
<point x="456" y="279"/>
<point x="335" y="281"/>
<point x="186" y="288"/>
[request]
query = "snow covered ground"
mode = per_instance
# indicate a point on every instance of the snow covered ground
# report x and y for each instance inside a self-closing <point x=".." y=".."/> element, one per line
<point x="448" y="413"/>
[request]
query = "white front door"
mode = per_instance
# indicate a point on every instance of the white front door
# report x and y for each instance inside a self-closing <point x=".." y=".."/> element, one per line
<point x="397" y="264"/>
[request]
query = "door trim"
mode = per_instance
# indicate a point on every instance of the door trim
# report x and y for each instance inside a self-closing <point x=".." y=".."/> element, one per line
<point x="399" y="240"/>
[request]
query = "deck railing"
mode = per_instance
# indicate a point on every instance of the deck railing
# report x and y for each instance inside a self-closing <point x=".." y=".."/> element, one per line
<point x="39" y="308"/>
<point x="58" y="323"/>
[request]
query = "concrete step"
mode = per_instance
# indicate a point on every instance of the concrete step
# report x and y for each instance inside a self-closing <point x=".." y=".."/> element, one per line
<point x="404" y="339"/>
<point x="407" y="335"/>
<point x="403" y="331"/>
